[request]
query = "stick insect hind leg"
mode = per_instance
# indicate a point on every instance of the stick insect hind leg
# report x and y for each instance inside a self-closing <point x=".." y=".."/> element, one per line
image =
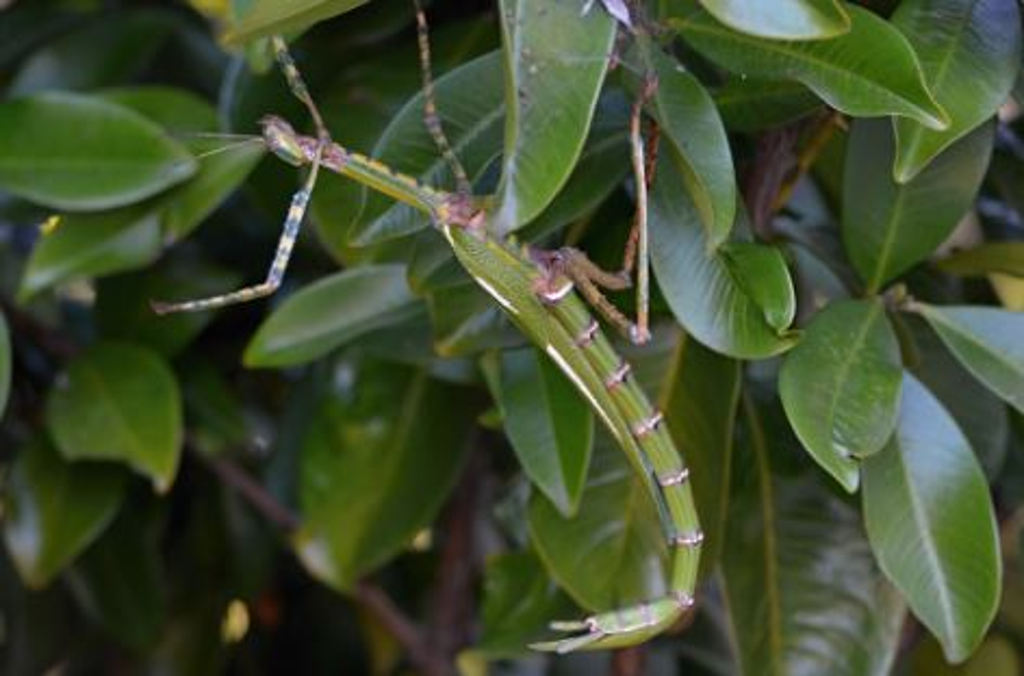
<point x="588" y="277"/>
<point x="282" y="143"/>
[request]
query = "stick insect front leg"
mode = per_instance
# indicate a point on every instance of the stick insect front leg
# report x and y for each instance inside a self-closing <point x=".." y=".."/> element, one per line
<point x="281" y="141"/>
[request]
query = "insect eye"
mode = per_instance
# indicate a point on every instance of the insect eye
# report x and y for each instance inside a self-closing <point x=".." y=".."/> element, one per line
<point x="283" y="141"/>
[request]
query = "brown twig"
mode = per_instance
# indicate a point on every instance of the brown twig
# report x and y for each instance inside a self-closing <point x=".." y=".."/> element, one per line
<point x="774" y="158"/>
<point x="629" y="661"/>
<point x="423" y="656"/>
<point x="452" y="597"/>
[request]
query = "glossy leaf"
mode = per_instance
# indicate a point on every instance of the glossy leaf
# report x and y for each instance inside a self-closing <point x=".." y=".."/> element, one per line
<point x="783" y="19"/>
<point x="931" y="524"/>
<point x="269" y="17"/>
<point x="869" y="71"/>
<point x="378" y="460"/>
<point x="91" y="245"/>
<point x="987" y="341"/>
<point x="980" y="414"/>
<point x="519" y="599"/>
<point x="841" y="386"/>
<point x="718" y="304"/>
<point x="331" y="312"/>
<point x="803" y="592"/>
<point x="1004" y="257"/>
<point x="77" y="152"/>
<point x="746" y="104"/>
<point x="550" y="427"/>
<point x="699" y="395"/>
<point x="471" y="105"/>
<point x="970" y="53"/>
<point x="613" y="551"/>
<point x="54" y="510"/>
<point x="466" y="321"/>
<point x="119" y="402"/>
<point x="554" y="63"/>
<point x="688" y="120"/>
<point x="600" y="168"/>
<point x="5" y="364"/>
<point x="887" y="226"/>
<point x="221" y="166"/>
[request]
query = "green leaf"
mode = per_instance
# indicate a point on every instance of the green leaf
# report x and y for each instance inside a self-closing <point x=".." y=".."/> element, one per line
<point x="980" y="414"/>
<point x="554" y="59"/>
<point x="330" y="313"/>
<point x="803" y="591"/>
<point x="466" y="321"/>
<point x="77" y="152"/>
<point x="699" y="394"/>
<point x="869" y="71"/>
<point x="600" y="168"/>
<point x="930" y="521"/>
<point x="270" y="17"/>
<point x="178" y="111"/>
<point x="221" y="166"/>
<point x="129" y="40"/>
<point x="119" y="402"/>
<point x="550" y="427"/>
<point x="729" y="308"/>
<point x="987" y="341"/>
<point x="1005" y="257"/>
<point x="687" y="117"/>
<point x="519" y="599"/>
<point x="471" y="105"/>
<point x="970" y="54"/>
<point x="761" y="273"/>
<point x="841" y="386"/>
<point x="887" y="226"/>
<point x="54" y="510"/>
<point x="5" y="364"/>
<point x="119" y="581"/>
<point x="613" y="551"/>
<point x="748" y="104"/>
<point x="382" y="451"/>
<point x="91" y="245"/>
<point x="782" y="19"/>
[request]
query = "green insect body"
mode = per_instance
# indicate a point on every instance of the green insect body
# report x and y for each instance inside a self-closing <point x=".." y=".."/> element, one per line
<point x="549" y="312"/>
<point x="537" y="291"/>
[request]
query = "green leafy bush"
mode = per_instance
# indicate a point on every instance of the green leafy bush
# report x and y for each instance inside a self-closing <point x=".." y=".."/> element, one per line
<point x="374" y="470"/>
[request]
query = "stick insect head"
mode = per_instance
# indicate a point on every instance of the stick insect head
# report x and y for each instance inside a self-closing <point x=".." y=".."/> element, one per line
<point x="282" y="140"/>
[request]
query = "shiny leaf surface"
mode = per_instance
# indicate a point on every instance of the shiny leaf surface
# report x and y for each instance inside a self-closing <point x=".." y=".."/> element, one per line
<point x="841" y="386"/>
<point x="120" y="402"/>
<point x="77" y="152"/>
<point x="943" y="553"/>
<point x="42" y="530"/>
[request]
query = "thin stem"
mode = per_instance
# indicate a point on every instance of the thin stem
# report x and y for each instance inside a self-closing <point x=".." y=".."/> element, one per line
<point x="372" y="597"/>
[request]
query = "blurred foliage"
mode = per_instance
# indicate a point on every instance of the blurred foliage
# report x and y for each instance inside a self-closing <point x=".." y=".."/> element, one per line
<point x="373" y="472"/>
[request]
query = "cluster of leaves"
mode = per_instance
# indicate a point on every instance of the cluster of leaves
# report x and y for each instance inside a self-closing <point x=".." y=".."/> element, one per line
<point x="879" y="213"/>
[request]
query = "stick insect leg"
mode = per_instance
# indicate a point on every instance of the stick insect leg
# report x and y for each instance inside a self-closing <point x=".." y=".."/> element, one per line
<point x="298" y="85"/>
<point x="430" y="116"/>
<point x="285" y="244"/>
<point x="590" y="278"/>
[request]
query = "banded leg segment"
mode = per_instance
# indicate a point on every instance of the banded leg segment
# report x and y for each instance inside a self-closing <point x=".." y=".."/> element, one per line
<point x="297" y="85"/>
<point x="431" y="118"/>
<point x="289" y="233"/>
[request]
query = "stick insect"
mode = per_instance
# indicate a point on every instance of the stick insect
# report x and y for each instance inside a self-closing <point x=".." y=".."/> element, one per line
<point x="538" y="290"/>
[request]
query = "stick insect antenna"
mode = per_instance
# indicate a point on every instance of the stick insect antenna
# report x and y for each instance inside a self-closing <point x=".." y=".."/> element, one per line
<point x="430" y="115"/>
